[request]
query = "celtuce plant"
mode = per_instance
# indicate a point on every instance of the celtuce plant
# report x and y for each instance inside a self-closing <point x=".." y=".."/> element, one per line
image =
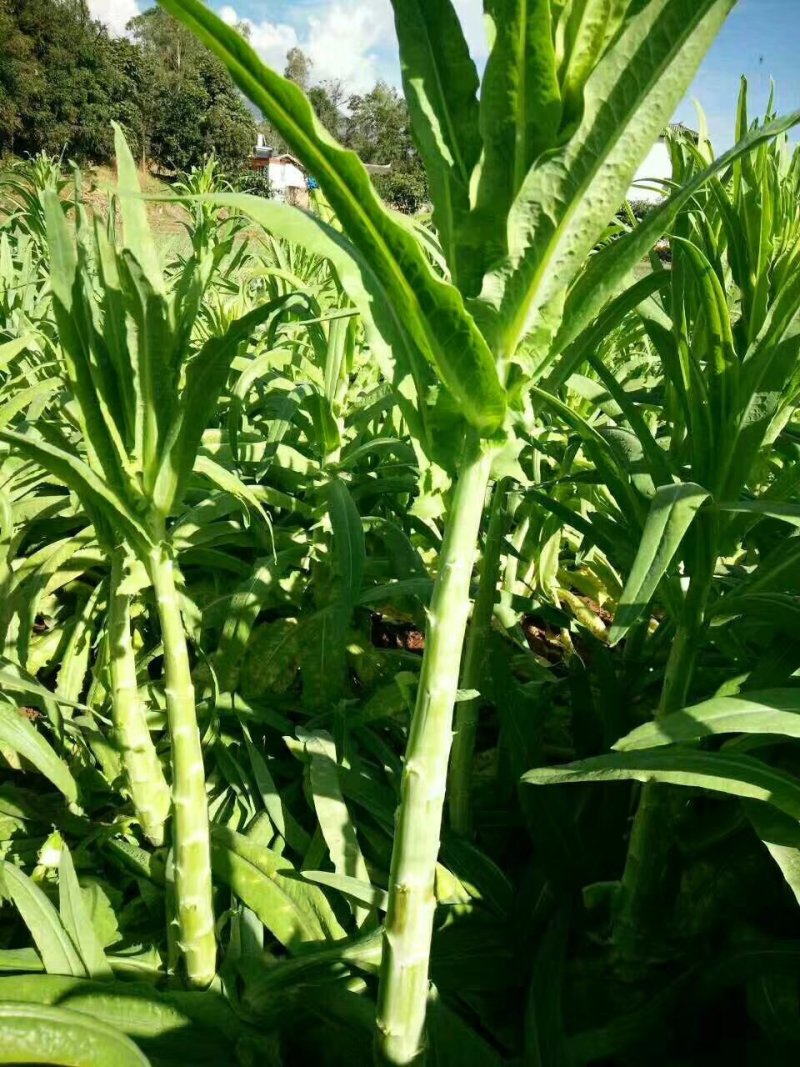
<point x="523" y="180"/>
<point x="142" y="411"/>
<point x="729" y="344"/>
<point x="337" y="511"/>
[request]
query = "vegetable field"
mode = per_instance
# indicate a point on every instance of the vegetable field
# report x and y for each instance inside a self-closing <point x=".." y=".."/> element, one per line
<point x="399" y="616"/>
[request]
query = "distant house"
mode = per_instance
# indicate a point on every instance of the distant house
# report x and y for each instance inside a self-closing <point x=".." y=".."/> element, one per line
<point x="287" y="175"/>
<point x="657" y="167"/>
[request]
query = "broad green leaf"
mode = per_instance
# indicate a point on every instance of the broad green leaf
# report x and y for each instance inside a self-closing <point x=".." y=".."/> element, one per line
<point x="781" y="837"/>
<point x="566" y="201"/>
<point x="336" y="822"/>
<point x="722" y="772"/>
<point x="441" y="85"/>
<point x="584" y="29"/>
<point x="51" y="939"/>
<point x="293" y="911"/>
<point x="20" y="735"/>
<point x="150" y="363"/>
<point x="771" y="711"/>
<point x="671" y="513"/>
<point x="174" y="1026"/>
<point x="136" y="229"/>
<point x="432" y="312"/>
<point x="77" y="921"/>
<point x="32" y="1033"/>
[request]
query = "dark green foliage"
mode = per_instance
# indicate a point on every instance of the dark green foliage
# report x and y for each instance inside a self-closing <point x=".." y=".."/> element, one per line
<point x="377" y="127"/>
<point x="63" y="80"/>
<point x="190" y="107"/>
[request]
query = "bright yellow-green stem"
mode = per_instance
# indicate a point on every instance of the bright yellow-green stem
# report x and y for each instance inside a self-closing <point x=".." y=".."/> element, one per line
<point x="191" y="849"/>
<point x="467" y="711"/>
<point x="147" y="785"/>
<point x="403" y="992"/>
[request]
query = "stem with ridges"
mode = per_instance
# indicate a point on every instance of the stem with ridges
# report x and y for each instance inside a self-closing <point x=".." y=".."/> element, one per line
<point x="189" y="804"/>
<point x="147" y="785"/>
<point x="647" y="861"/>
<point x="403" y="991"/>
<point x="467" y="711"/>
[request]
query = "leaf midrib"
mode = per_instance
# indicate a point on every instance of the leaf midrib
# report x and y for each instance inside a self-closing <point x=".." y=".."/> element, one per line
<point x="332" y="175"/>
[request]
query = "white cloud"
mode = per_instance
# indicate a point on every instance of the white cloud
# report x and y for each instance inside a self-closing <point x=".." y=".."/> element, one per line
<point x="349" y="40"/>
<point x="272" y="40"/>
<point x="344" y="40"/>
<point x="114" y="13"/>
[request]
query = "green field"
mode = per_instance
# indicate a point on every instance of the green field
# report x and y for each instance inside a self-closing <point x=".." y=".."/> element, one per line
<point x="398" y="615"/>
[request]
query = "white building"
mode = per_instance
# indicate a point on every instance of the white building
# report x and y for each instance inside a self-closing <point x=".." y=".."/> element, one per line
<point x="286" y="174"/>
<point x="657" y="168"/>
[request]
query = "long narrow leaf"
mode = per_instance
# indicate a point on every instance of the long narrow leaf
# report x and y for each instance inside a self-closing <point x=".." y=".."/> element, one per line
<point x="441" y="84"/>
<point x="671" y="513"/>
<point x="433" y="312"/>
<point x="20" y="735"/>
<point x="48" y="933"/>
<point x="775" y="711"/>
<point x="740" y="776"/>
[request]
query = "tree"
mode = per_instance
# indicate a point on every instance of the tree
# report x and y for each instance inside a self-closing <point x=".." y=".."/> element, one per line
<point x="19" y="80"/>
<point x="189" y="105"/>
<point x="60" y="84"/>
<point x="378" y="128"/>
<point x="298" y="68"/>
<point x="328" y="100"/>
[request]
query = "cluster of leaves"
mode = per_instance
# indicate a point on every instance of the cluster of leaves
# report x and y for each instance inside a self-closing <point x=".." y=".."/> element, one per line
<point x="255" y="414"/>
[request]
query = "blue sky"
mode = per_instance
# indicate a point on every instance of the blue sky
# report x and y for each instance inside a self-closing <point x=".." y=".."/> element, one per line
<point x="760" y="39"/>
<point x="354" y="40"/>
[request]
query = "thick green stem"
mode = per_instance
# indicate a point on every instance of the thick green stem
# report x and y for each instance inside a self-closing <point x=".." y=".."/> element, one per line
<point x="645" y="876"/>
<point x="402" y="997"/>
<point x="147" y="785"/>
<point x="467" y="711"/>
<point x="191" y="848"/>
